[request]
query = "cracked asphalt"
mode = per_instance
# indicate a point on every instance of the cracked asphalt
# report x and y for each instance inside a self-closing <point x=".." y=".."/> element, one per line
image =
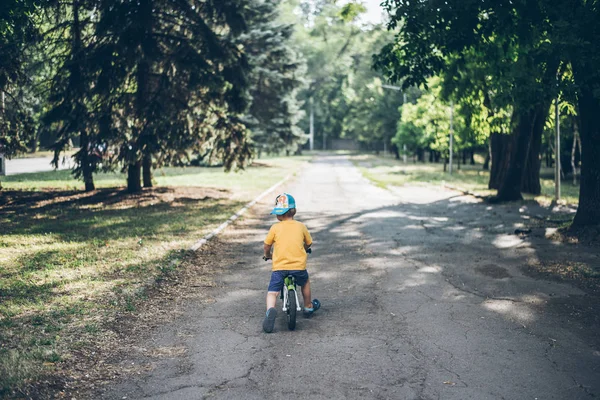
<point x="424" y="297"/>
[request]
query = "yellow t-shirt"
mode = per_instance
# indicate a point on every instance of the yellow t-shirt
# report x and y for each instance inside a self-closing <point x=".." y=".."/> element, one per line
<point x="289" y="238"/>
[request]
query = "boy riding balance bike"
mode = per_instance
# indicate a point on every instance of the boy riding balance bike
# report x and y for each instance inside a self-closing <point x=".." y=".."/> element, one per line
<point x="290" y="241"/>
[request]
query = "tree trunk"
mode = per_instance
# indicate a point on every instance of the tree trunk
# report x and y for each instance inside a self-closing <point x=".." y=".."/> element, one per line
<point x="464" y="157"/>
<point x="573" y="150"/>
<point x="133" y="177"/>
<point x="87" y="169"/>
<point x="147" y="170"/>
<point x="488" y="156"/>
<point x="421" y="155"/>
<point x="84" y="154"/>
<point x="588" y="212"/>
<point x="472" y="155"/>
<point x="396" y="151"/>
<point x="500" y="146"/>
<point x="510" y="186"/>
<point x="531" y="178"/>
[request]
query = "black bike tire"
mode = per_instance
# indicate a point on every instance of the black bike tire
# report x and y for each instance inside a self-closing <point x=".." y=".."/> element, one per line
<point x="291" y="310"/>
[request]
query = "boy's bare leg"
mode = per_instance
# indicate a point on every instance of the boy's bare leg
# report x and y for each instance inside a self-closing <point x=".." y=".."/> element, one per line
<point x="271" y="299"/>
<point x="306" y="295"/>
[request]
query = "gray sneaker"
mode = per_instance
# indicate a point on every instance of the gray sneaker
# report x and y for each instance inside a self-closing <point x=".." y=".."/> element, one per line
<point x="269" y="321"/>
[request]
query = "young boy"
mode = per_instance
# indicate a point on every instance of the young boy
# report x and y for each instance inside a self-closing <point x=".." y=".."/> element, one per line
<point x="291" y="240"/>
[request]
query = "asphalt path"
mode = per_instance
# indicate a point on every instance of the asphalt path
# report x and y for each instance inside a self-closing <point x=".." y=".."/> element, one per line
<point x="33" y="164"/>
<point x="422" y="298"/>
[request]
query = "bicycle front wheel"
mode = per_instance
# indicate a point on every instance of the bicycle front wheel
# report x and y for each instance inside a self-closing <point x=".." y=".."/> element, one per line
<point x="291" y="312"/>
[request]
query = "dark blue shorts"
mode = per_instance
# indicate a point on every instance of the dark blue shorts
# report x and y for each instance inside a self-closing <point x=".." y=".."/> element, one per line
<point x="277" y="278"/>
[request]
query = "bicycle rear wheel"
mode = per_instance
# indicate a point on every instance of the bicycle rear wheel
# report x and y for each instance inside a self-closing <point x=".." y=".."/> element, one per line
<point x="291" y="312"/>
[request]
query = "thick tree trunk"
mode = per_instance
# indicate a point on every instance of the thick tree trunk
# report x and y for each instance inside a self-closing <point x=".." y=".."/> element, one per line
<point x="147" y="170"/>
<point x="396" y="151"/>
<point x="531" y="177"/>
<point x="87" y="169"/>
<point x="134" y="177"/>
<point x="500" y="146"/>
<point x="472" y="157"/>
<point x="588" y="212"/>
<point x="421" y="155"/>
<point x="510" y="187"/>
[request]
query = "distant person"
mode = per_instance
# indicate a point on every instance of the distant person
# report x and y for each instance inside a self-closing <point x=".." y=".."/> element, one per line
<point x="290" y="240"/>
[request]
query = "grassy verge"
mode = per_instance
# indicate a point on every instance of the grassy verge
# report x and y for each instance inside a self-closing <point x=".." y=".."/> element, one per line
<point x="386" y="172"/>
<point x="70" y="261"/>
<point x="242" y="183"/>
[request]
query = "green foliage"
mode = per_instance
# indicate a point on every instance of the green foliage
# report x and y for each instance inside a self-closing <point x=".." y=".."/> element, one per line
<point x="426" y="124"/>
<point x="346" y="94"/>
<point x="17" y="31"/>
<point x="351" y="11"/>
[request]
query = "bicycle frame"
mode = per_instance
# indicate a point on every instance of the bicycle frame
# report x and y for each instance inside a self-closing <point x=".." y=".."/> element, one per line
<point x="289" y="283"/>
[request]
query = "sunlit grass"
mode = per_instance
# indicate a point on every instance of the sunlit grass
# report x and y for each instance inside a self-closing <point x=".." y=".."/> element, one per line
<point x="386" y="172"/>
<point x="68" y="260"/>
<point x="243" y="181"/>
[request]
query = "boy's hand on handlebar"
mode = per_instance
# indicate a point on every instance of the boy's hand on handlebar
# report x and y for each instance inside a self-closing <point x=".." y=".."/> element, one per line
<point x="308" y="251"/>
<point x="267" y="258"/>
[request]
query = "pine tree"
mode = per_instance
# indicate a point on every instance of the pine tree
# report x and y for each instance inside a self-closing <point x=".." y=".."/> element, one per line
<point x="71" y="115"/>
<point x="172" y="79"/>
<point x="17" y="30"/>
<point x="275" y="80"/>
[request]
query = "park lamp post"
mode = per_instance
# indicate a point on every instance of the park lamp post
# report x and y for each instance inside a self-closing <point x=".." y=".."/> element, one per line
<point x="451" y="146"/>
<point x="311" y="135"/>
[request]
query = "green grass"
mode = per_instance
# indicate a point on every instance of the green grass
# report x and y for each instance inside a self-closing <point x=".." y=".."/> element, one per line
<point x="386" y="172"/>
<point x="243" y="182"/>
<point x="69" y="260"/>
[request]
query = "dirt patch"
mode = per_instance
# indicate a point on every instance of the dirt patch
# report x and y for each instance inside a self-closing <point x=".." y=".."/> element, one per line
<point x="493" y="271"/>
<point x="101" y="362"/>
<point x="584" y="275"/>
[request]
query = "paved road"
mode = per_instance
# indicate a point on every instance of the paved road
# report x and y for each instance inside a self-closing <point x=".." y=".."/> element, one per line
<point x="37" y="164"/>
<point x="422" y="295"/>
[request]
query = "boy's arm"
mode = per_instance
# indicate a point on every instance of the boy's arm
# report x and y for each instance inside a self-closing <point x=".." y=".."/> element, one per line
<point x="267" y="249"/>
<point x="268" y="243"/>
<point x="307" y="239"/>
